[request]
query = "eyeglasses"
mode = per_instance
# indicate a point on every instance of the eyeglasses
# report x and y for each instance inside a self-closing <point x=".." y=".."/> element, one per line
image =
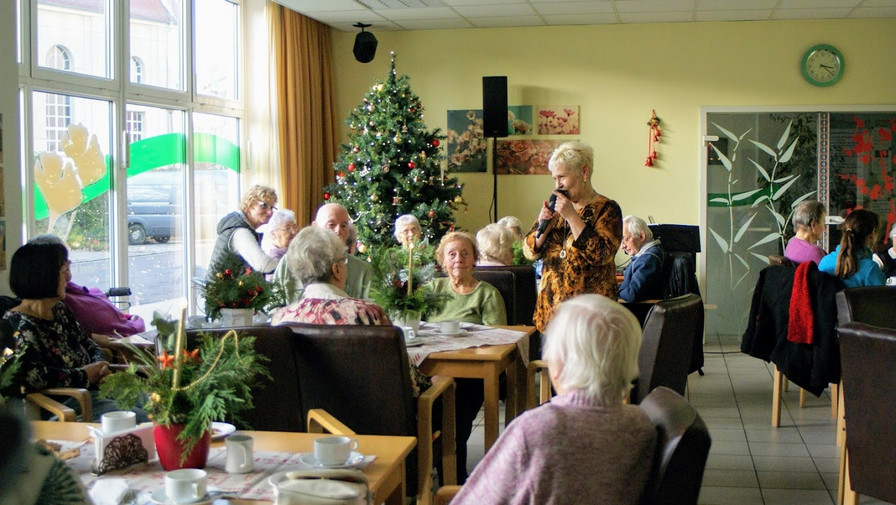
<point x="265" y="206"/>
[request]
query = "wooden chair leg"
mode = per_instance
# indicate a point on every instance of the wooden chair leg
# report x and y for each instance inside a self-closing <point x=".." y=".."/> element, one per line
<point x="545" y="394"/>
<point x="802" y="397"/>
<point x="777" y="393"/>
<point x="850" y="497"/>
<point x="835" y="400"/>
<point x="841" y="419"/>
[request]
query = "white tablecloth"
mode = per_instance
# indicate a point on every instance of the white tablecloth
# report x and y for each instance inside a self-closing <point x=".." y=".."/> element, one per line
<point x="473" y="335"/>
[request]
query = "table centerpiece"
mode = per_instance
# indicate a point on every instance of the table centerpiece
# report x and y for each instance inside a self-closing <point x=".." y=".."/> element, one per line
<point x="400" y="285"/>
<point x="185" y="390"/>
<point x="234" y="292"/>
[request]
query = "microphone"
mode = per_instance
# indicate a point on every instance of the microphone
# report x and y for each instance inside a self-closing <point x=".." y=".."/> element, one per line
<point x="543" y="225"/>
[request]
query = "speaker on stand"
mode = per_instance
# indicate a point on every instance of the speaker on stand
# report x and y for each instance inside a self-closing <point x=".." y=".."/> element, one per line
<point x="494" y="124"/>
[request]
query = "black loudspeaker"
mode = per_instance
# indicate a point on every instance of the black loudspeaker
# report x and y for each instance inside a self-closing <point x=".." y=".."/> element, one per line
<point x="494" y="106"/>
<point x="365" y="47"/>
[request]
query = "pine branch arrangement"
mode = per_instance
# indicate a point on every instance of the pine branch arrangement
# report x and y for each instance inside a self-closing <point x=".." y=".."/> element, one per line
<point x="390" y="289"/>
<point x="214" y="383"/>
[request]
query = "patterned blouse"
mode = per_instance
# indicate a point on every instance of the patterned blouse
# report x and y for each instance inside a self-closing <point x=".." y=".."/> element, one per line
<point x="584" y="265"/>
<point x="323" y="303"/>
<point x="53" y="352"/>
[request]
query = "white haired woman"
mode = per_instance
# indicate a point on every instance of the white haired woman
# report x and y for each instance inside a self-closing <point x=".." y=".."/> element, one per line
<point x="495" y="244"/>
<point x="592" y="353"/>
<point x="808" y="224"/>
<point x="317" y="257"/>
<point x="407" y="230"/>
<point x="278" y="232"/>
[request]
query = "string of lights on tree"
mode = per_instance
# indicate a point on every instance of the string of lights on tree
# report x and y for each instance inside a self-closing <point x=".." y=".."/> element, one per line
<point x="392" y="166"/>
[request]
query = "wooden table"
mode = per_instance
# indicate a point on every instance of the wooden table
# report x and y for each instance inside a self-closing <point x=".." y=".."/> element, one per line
<point x="386" y="473"/>
<point x="487" y="363"/>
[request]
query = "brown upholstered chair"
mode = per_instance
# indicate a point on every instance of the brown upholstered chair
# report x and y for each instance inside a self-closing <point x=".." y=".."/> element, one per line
<point x="683" y="444"/>
<point x="867" y="355"/>
<point x="667" y="344"/>
<point x="361" y="375"/>
<point x="874" y="305"/>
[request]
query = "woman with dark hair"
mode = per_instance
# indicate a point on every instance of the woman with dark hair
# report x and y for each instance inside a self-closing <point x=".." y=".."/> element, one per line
<point x="852" y="260"/>
<point x="52" y="349"/>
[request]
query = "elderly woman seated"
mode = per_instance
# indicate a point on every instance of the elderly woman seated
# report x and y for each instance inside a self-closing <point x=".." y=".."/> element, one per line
<point x="278" y="232"/>
<point x="495" y="244"/>
<point x="407" y="230"/>
<point x="50" y="346"/>
<point x="471" y="301"/>
<point x="318" y="258"/>
<point x="586" y="445"/>
<point x="808" y="223"/>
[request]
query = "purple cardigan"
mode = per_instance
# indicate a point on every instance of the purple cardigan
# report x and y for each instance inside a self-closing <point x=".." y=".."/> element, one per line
<point x="566" y="452"/>
<point x="96" y="314"/>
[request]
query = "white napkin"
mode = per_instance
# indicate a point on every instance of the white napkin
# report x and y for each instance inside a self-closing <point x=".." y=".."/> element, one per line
<point x="109" y="491"/>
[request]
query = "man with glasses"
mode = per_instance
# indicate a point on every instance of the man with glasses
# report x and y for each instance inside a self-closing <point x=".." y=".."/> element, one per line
<point x="237" y="231"/>
<point x="335" y="218"/>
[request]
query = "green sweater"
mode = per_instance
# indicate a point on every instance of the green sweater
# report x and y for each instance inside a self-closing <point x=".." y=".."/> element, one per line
<point x="483" y="306"/>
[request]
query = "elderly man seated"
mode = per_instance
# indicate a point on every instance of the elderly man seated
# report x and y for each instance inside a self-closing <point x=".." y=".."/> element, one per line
<point x="333" y="217"/>
<point x="643" y="279"/>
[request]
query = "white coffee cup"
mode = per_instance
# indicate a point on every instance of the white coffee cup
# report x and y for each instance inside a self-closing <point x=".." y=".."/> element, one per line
<point x="334" y="450"/>
<point x="185" y="485"/>
<point x="409" y="333"/>
<point x="239" y="454"/>
<point x="119" y="420"/>
<point x="449" y="327"/>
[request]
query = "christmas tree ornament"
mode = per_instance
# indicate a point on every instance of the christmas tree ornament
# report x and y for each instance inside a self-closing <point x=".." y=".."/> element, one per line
<point x="327" y="196"/>
<point x="435" y="142"/>
<point x="458" y="199"/>
<point x="411" y="164"/>
<point x="397" y="139"/>
<point x="351" y="167"/>
<point x="356" y="149"/>
<point x="432" y="214"/>
<point x="374" y="197"/>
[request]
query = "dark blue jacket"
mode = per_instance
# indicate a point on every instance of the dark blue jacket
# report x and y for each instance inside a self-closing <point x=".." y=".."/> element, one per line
<point x="643" y="279"/>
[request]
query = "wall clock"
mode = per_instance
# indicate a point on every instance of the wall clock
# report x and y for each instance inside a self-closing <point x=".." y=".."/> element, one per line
<point x="823" y="65"/>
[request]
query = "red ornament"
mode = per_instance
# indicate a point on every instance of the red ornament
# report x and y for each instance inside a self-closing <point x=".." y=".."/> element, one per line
<point x="355" y="149"/>
<point x="411" y="164"/>
<point x="435" y="142"/>
<point x="228" y="271"/>
<point x="432" y="213"/>
<point x="341" y="174"/>
<point x="351" y="167"/>
<point x="326" y="196"/>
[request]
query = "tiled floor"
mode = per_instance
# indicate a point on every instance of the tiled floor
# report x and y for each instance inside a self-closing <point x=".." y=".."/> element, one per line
<point x="750" y="461"/>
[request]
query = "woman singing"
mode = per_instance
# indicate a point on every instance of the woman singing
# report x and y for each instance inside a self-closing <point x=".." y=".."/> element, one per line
<point x="583" y="234"/>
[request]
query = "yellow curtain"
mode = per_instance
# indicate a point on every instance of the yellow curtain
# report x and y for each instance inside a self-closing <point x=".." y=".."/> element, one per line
<point x="306" y="115"/>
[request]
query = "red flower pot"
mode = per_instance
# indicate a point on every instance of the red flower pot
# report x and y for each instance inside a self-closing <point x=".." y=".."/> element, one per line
<point x="171" y="450"/>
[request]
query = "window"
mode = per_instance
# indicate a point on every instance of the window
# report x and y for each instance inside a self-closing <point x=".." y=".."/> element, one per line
<point x="121" y="208"/>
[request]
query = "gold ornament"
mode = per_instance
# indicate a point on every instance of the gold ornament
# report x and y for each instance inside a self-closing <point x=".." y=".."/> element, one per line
<point x="397" y="139"/>
<point x="362" y="248"/>
<point x="458" y="199"/>
<point x="374" y="197"/>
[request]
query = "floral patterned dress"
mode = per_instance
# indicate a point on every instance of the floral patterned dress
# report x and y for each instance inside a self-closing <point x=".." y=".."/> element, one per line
<point x="53" y="352"/>
<point x="575" y="266"/>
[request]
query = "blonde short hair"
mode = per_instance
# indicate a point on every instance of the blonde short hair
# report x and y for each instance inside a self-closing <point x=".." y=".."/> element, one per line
<point x="595" y="341"/>
<point x="572" y="156"/>
<point x="495" y="243"/>
<point x="258" y="193"/>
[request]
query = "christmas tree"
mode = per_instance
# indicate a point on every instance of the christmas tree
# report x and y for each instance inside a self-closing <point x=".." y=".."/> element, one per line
<point x="392" y="166"/>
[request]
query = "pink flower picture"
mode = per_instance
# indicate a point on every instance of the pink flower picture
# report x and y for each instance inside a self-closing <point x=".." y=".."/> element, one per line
<point x="558" y="120"/>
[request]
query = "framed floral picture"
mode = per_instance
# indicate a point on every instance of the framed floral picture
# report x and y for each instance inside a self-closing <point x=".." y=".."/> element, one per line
<point x="525" y="157"/>
<point x="558" y="119"/>
<point x="519" y="120"/>
<point x="466" y="141"/>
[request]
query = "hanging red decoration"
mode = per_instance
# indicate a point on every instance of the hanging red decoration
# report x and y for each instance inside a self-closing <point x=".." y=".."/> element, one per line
<point x="327" y="196"/>
<point x="653" y="138"/>
<point x="435" y="142"/>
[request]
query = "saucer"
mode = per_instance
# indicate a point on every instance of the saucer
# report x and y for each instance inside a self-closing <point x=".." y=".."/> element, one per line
<point x="353" y="460"/>
<point x="413" y="342"/>
<point x="450" y="333"/>
<point x="159" y="498"/>
<point x="221" y="430"/>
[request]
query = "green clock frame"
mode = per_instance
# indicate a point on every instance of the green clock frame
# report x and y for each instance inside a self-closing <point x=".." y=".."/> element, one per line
<point x="804" y="65"/>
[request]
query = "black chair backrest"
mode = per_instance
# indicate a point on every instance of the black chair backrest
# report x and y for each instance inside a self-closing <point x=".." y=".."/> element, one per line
<point x="683" y="444"/>
<point x="666" y="345"/>
<point x="360" y="375"/>
<point x="874" y="305"/>
<point x="518" y="288"/>
<point x="867" y="355"/>
<point x="278" y="403"/>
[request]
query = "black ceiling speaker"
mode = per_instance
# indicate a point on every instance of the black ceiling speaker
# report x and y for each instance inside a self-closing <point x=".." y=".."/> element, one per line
<point x="365" y="44"/>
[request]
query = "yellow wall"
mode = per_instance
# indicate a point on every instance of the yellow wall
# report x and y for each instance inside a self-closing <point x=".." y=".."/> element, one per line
<point x="617" y="74"/>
